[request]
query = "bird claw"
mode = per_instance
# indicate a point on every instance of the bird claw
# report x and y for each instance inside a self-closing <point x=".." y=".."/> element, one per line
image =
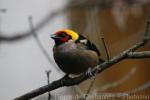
<point x="89" y="72"/>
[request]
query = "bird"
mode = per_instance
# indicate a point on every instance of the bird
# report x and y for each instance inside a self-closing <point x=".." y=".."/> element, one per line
<point x="74" y="53"/>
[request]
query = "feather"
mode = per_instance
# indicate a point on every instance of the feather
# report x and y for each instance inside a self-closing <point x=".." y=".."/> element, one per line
<point x="74" y="58"/>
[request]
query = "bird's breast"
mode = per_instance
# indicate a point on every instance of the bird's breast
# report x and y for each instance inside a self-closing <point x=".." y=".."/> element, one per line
<point x="74" y="59"/>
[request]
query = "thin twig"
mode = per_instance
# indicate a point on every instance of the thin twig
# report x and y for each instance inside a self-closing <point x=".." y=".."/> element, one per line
<point x="114" y="84"/>
<point x="26" y="34"/>
<point x="48" y="82"/>
<point x="39" y="43"/>
<point x="67" y="81"/>
<point x="119" y="82"/>
<point x="43" y="23"/>
<point x="106" y="48"/>
<point x="70" y="81"/>
<point x="85" y="96"/>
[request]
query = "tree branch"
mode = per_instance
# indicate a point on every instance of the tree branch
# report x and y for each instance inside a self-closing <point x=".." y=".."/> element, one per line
<point x="39" y="43"/>
<point x="118" y="82"/>
<point x="52" y="15"/>
<point x="67" y="81"/>
<point x="144" y="54"/>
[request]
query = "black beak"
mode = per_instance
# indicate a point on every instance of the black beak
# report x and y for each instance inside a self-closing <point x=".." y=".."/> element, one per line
<point x="54" y="36"/>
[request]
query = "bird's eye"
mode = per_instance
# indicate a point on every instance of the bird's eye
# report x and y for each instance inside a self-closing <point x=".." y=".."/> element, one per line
<point x="63" y="34"/>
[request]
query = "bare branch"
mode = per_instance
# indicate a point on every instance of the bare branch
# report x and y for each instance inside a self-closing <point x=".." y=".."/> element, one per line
<point x="47" y="19"/>
<point x="52" y="15"/>
<point x="113" y="84"/>
<point x="48" y="82"/>
<point x="89" y="89"/>
<point x="39" y="43"/>
<point x="118" y="82"/>
<point x="28" y="33"/>
<point x="14" y="38"/>
<point x="144" y="54"/>
<point x="67" y="81"/>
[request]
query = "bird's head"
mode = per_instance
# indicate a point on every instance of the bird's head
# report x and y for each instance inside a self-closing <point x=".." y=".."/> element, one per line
<point x="64" y="35"/>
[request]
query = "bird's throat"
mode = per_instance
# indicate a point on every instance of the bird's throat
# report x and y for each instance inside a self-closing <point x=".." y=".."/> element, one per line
<point x="58" y="43"/>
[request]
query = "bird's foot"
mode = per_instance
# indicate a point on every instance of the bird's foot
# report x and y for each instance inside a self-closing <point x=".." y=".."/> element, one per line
<point x="89" y="72"/>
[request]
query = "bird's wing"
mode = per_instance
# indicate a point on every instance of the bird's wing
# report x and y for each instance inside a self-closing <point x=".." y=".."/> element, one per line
<point x="89" y="45"/>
